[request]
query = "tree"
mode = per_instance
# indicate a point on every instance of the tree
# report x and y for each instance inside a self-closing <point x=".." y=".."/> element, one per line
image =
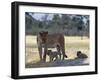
<point x="65" y="20"/>
<point x="79" y="23"/>
<point x="87" y="26"/>
<point x="44" y="20"/>
<point x="56" y="22"/>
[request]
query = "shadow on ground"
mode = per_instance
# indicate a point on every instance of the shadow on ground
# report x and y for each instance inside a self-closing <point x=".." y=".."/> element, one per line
<point x="68" y="62"/>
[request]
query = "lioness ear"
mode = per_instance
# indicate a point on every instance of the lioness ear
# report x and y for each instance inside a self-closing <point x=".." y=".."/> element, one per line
<point x="40" y="33"/>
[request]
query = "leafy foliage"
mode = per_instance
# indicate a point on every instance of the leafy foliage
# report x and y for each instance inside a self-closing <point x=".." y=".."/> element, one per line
<point x="68" y="24"/>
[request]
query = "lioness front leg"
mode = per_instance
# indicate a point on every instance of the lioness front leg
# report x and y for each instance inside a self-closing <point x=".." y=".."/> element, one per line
<point x="40" y="53"/>
<point x="45" y="52"/>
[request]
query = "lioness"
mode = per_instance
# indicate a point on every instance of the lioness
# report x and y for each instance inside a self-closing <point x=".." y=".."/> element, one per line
<point x="45" y="40"/>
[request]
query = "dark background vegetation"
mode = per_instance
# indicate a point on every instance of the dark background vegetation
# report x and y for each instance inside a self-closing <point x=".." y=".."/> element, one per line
<point x="68" y="24"/>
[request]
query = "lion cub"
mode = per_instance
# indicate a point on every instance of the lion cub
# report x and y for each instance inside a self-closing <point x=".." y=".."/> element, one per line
<point x="53" y="55"/>
<point x="81" y="55"/>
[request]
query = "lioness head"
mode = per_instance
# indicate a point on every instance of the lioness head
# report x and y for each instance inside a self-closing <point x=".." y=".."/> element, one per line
<point x="43" y="36"/>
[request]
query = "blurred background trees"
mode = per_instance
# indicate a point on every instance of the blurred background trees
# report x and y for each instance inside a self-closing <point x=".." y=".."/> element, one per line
<point x="68" y="24"/>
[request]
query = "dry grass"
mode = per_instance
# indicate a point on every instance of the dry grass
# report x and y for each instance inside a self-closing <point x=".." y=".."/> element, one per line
<point x="72" y="45"/>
